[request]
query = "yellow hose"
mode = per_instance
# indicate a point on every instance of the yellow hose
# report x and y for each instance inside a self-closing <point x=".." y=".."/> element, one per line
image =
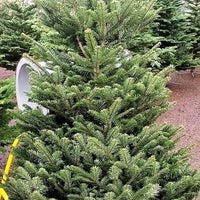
<point x="3" y="194"/>
<point x="9" y="162"/>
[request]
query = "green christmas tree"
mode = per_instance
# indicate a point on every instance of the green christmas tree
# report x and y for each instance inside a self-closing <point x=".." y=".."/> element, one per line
<point x="16" y="18"/>
<point x="192" y="8"/>
<point x="174" y="27"/>
<point x="7" y="95"/>
<point x="99" y="139"/>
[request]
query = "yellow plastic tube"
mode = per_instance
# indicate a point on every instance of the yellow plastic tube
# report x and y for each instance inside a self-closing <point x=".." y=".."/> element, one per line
<point x="3" y="194"/>
<point x="9" y="162"/>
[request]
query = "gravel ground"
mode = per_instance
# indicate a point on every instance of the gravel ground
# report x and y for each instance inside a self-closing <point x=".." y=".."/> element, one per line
<point x="6" y="73"/>
<point x="186" y="93"/>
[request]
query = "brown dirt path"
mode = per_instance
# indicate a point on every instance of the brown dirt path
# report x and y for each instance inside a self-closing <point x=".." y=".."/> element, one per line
<point x="6" y="73"/>
<point x="186" y="93"/>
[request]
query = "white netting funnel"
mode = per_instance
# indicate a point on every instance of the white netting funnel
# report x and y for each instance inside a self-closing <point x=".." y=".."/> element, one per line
<point x="23" y="86"/>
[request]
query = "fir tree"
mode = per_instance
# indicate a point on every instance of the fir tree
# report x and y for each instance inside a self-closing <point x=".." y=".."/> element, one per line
<point x="192" y="8"/>
<point x="174" y="27"/>
<point x="7" y="94"/>
<point x="16" y="18"/>
<point x="99" y="140"/>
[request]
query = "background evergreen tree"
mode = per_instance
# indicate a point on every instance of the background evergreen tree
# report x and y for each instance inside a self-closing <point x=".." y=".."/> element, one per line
<point x="192" y="9"/>
<point x="143" y="42"/>
<point x="99" y="140"/>
<point x="174" y="27"/>
<point x="61" y="36"/>
<point x="15" y="18"/>
<point x="7" y="95"/>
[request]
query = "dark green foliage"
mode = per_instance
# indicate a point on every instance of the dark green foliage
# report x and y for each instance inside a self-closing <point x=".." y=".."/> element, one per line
<point x="99" y="140"/>
<point x="174" y="27"/>
<point x="7" y="91"/>
<point x="15" y="18"/>
<point x="192" y="8"/>
<point x="7" y="94"/>
<point x="66" y="28"/>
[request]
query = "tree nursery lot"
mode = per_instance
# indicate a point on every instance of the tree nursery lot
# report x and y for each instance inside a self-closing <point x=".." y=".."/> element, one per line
<point x="186" y="111"/>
